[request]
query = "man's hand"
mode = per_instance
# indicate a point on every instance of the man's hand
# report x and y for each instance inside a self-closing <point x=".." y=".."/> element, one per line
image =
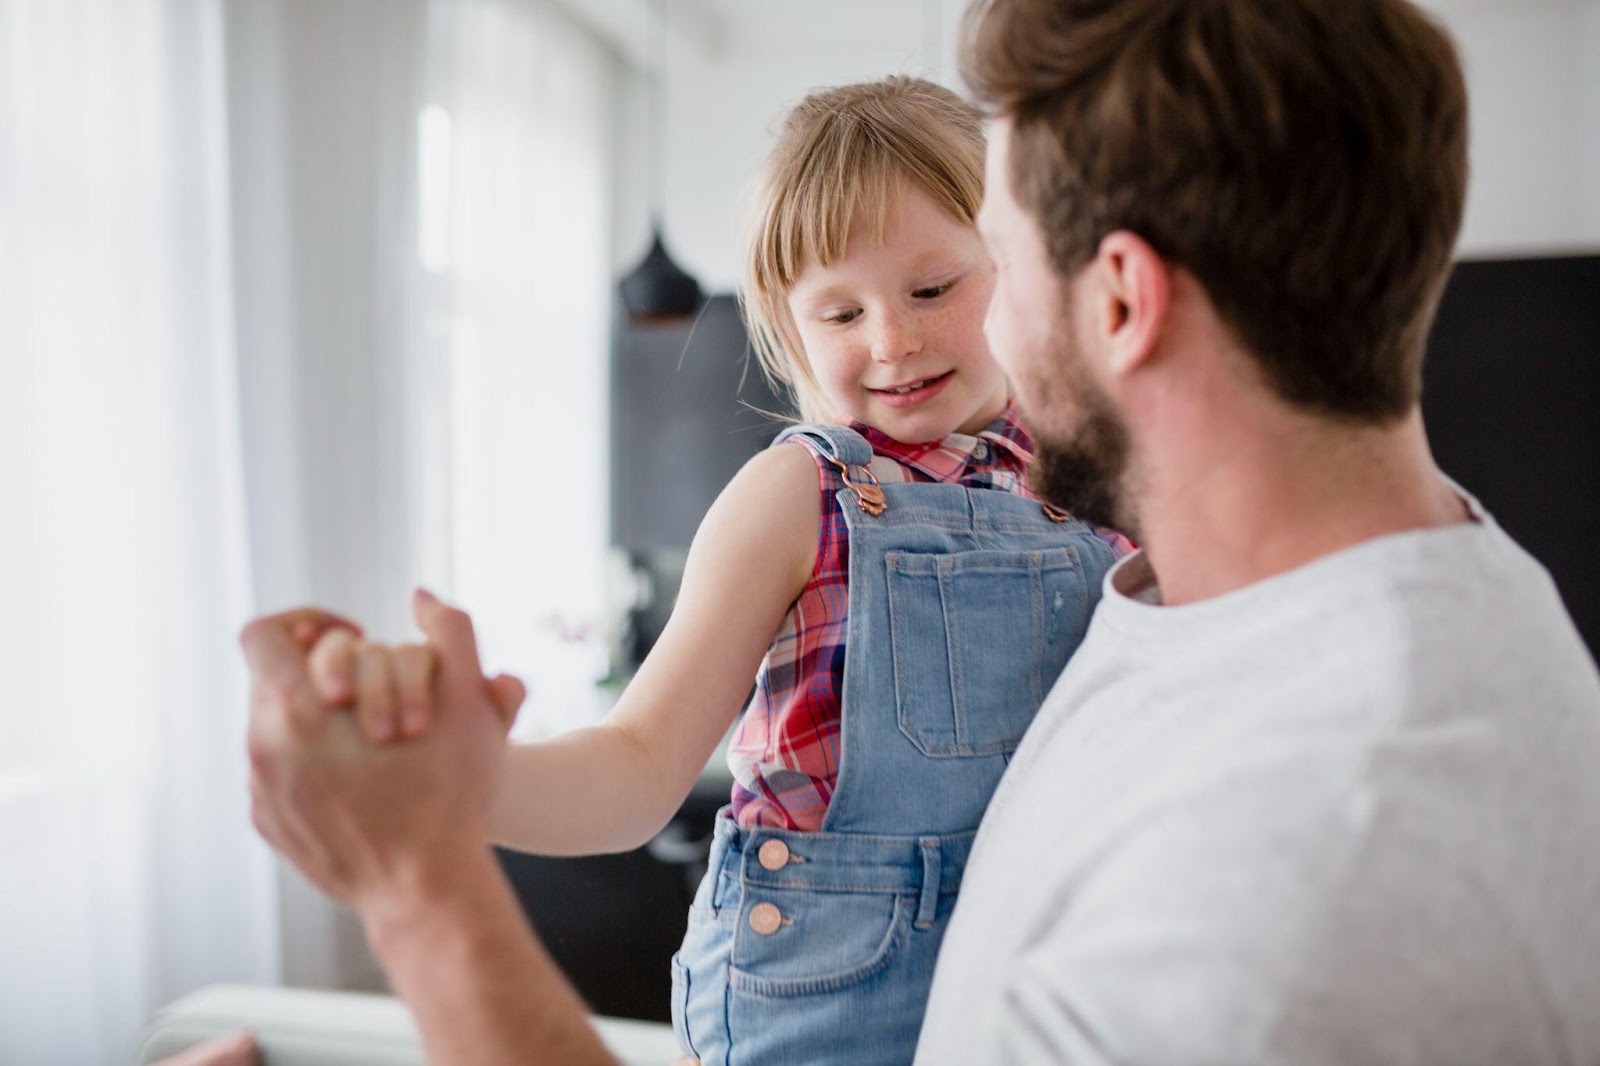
<point x="390" y="687"/>
<point x="397" y="830"/>
<point x="235" y="1049"/>
<point x="364" y="821"/>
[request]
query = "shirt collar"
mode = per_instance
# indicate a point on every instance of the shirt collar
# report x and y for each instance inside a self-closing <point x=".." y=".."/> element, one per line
<point x="953" y="457"/>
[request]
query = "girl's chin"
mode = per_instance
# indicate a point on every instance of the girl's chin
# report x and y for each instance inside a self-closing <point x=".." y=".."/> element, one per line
<point x="922" y="428"/>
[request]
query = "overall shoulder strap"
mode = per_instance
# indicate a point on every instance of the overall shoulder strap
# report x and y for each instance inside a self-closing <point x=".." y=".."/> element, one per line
<point x="847" y="453"/>
<point x="841" y="444"/>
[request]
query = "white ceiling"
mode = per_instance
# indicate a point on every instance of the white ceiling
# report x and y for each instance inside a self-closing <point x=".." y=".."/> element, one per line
<point x="709" y="29"/>
<point x="694" y="27"/>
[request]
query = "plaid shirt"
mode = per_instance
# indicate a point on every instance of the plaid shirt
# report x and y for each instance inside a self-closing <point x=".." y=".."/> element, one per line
<point x="785" y="752"/>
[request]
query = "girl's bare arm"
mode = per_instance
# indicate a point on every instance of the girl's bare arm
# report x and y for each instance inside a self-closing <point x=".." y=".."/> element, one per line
<point x="613" y="786"/>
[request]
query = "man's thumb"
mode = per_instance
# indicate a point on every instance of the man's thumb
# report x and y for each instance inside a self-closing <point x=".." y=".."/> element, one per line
<point x="449" y="630"/>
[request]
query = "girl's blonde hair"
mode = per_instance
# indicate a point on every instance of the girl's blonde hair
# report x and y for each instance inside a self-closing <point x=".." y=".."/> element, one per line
<point x="841" y="158"/>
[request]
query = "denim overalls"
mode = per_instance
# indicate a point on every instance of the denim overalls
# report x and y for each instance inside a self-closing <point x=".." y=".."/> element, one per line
<point x="964" y="606"/>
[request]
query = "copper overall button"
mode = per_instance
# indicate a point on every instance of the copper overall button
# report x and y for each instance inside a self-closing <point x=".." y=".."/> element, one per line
<point x="765" y="918"/>
<point x="774" y="855"/>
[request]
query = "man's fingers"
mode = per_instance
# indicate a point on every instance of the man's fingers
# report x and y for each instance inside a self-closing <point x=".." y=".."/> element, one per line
<point x="303" y="625"/>
<point x="262" y="815"/>
<point x="235" y="1049"/>
<point x="413" y="665"/>
<point x="273" y="646"/>
<point x="278" y="668"/>
<point x="271" y="650"/>
<point x="507" y="692"/>
<point x="307" y="631"/>
<point x="449" y="631"/>
<point x="332" y="666"/>
<point x="273" y="813"/>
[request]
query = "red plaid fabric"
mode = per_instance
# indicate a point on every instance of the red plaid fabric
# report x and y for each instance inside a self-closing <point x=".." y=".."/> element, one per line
<point x="785" y="753"/>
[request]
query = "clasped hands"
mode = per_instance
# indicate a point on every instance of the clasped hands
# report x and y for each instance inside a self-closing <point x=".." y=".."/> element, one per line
<point x="372" y="765"/>
<point x="377" y="807"/>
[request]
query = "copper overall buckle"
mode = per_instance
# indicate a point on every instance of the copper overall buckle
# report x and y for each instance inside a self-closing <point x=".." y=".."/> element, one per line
<point x="869" y="496"/>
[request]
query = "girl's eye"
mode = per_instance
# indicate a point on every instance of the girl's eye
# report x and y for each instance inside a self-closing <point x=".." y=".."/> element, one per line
<point x="840" y="317"/>
<point x="932" y="291"/>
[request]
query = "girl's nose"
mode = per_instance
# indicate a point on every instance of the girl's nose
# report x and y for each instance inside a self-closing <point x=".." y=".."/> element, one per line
<point x="896" y="338"/>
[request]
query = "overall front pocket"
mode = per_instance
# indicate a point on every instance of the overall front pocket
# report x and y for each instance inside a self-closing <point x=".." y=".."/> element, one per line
<point x="977" y="638"/>
<point x="828" y="942"/>
<point x="680" y="1004"/>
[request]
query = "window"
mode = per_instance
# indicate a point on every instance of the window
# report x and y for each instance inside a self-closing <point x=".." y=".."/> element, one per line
<point x="514" y="198"/>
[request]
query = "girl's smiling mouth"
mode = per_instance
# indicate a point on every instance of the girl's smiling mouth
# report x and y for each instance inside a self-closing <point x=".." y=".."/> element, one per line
<point x="913" y="392"/>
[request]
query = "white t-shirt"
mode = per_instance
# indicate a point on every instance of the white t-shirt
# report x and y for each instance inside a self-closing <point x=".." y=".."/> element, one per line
<point x="1349" y="814"/>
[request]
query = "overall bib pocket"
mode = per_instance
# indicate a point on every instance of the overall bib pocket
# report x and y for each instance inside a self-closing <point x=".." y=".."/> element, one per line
<point x="978" y="638"/>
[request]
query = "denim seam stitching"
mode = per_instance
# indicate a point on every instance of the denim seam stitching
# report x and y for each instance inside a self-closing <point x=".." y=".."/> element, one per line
<point x="901" y="889"/>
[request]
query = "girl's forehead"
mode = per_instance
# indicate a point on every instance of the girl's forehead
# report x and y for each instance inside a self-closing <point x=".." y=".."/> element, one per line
<point x="913" y="234"/>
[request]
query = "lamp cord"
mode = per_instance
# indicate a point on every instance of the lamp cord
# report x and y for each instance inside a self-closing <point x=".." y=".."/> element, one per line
<point x="658" y="108"/>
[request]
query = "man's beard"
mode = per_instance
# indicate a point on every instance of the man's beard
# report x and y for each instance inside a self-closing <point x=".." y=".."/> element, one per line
<point x="1086" y="474"/>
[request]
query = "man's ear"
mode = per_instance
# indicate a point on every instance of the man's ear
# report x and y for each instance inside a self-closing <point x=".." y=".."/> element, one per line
<point x="1134" y="289"/>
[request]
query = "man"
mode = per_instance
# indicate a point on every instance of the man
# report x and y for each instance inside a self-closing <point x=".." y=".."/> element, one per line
<point x="1323" y="783"/>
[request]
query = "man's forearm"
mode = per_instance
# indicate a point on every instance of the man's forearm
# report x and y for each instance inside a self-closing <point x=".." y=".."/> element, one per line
<point x="483" y="990"/>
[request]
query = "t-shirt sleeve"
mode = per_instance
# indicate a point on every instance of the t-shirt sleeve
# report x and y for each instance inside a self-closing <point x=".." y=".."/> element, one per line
<point x="1271" y="917"/>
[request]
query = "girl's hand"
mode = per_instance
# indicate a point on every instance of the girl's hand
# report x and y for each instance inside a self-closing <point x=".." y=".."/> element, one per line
<point x="390" y="686"/>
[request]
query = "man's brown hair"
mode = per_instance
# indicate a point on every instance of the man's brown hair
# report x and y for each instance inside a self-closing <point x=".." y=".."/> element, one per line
<point x="1305" y="160"/>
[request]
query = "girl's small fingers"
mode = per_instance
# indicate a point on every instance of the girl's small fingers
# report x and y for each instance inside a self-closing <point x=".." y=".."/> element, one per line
<point x="377" y="706"/>
<point x="332" y="665"/>
<point x="414" y="664"/>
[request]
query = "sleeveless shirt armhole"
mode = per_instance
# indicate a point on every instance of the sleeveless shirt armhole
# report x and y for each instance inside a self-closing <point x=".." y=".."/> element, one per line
<point x="828" y="484"/>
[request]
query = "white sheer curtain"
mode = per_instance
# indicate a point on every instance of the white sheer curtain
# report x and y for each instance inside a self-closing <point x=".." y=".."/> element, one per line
<point x="128" y="869"/>
<point x="515" y="208"/>
<point x="322" y="98"/>
<point x="411" y="377"/>
<point x="229" y="381"/>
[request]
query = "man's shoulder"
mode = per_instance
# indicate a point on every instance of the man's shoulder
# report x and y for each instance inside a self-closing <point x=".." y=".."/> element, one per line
<point x="1302" y="886"/>
<point x="1332" y="810"/>
<point x="1459" y="615"/>
<point x="1463" y="618"/>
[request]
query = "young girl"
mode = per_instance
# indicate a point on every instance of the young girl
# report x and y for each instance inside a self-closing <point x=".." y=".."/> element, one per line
<point x="901" y="598"/>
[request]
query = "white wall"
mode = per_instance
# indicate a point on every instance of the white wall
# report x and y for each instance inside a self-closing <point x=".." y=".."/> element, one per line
<point x="723" y="103"/>
<point x="1587" y="41"/>
<point x="1533" y="71"/>
<point x="1533" y="85"/>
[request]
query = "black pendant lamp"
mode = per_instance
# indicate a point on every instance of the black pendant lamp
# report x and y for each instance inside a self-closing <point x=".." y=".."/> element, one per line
<point x="658" y="291"/>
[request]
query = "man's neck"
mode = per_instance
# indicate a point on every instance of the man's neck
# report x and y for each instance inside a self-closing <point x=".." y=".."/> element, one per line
<point x="1289" y="490"/>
